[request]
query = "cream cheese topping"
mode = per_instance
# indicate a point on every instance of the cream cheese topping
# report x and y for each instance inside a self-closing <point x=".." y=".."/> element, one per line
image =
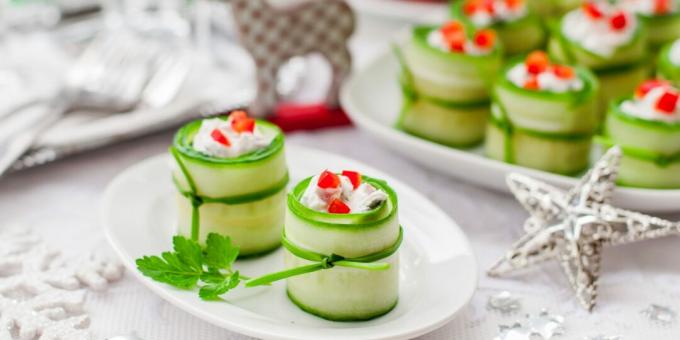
<point x="646" y="107"/>
<point x="364" y="198"/>
<point x="436" y="40"/>
<point x="649" y="7"/>
<point x="240" y="142"/>
<point x="501" y="13"/>
<point x="674" y="53"/>
<point x="547" y="80"/>
<point x="596" y="35"/>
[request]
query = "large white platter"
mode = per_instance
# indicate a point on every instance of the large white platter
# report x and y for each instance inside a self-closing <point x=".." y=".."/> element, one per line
<point x="438" y="272"/>
<point x="372" y="99"/>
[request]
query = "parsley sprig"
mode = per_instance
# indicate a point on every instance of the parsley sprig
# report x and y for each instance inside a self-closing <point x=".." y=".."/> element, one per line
<point x="188" y="264"/>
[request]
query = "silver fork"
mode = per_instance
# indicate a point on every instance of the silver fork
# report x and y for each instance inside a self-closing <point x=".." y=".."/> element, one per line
<point x="110" y="74"/>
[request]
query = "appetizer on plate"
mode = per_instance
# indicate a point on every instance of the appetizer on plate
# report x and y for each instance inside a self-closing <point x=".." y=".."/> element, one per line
<point x="608" y="40"/>
<point x="661" y="17"/>
<point x="647" y="127"/>
<point x="346" y="224"/>
<point x="543" y="115"/>
<point x="446" y="79"/>
<point x="518" y="28"/>
<point x="668" y="65"/>
<point x="231" y="177"/>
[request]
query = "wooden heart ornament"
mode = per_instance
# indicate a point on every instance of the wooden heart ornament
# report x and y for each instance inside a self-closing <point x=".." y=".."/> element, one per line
<point x="273" y="35"/>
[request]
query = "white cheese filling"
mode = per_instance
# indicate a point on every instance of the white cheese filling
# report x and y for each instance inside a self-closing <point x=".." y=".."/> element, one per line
<point x="362" y="199"/>
<point x="436" y="40"/>
<point x="240" y="142"/>
<point x="645" y="107"/>
<point x="502" y="13"/>
<point x="674" y="53"/>
<point x="596" y="35"/>
<point x="648" y="7"/>
<point x="547" y="80"/>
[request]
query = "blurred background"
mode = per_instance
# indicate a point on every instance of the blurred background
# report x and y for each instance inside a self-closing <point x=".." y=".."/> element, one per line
<point x="80" y="74"/>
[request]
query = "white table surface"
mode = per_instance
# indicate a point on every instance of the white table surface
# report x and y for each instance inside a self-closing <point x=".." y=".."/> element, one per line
<point x="61" y="201"/>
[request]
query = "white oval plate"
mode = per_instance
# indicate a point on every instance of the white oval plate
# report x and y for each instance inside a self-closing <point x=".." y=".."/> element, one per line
<point x="407" y="10"/>
<point x="438" y="270"/>
<point x="372" y="99"/>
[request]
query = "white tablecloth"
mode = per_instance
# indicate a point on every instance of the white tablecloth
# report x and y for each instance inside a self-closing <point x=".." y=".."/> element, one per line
<point x="61" y="202"/>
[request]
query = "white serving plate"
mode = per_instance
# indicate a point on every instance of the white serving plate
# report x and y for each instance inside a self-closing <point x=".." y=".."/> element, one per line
<point x="438" y="273"/>
<point x="406" y="10"/>
<point x="372" y="99"/>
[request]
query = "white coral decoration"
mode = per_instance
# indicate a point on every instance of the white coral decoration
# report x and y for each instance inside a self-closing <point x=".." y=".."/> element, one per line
<point x="41" y="293"/>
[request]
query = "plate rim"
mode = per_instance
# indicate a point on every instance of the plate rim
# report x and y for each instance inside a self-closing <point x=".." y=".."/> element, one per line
<point x="196" y="311"/>
<point x="364" y="121"/>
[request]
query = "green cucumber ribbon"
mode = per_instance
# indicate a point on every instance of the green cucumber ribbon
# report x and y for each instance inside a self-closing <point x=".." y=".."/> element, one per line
<point x="198" y="200"/>
<point x="661" y="160"/>
<point x="505" y="124"/>
<point x="322" y="261"/>
<point x="411" y="95"/>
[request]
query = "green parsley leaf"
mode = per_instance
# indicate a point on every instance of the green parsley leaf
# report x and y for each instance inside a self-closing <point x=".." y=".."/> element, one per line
<point x="169" y="269"/>
<point x="188" y="263"/>
<point x="188" y="251"/>
<point x="220" y="253"/>
<point x="212" y="291"/>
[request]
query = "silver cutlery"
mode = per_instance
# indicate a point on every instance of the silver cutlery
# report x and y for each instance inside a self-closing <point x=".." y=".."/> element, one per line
<point x="110" y="74"/>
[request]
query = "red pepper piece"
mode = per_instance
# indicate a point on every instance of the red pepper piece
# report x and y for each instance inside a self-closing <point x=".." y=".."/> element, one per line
<point x="354" y="177"/>
<point x="338" y="207"/>
<point x="328" y="180"/>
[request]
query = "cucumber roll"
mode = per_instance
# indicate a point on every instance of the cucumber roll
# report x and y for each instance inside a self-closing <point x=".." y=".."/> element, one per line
<point x="518" y="28"/>
<point x="231" y="177"/>
<point x="342" y="239"/>
<point x="668" y="66"/>
<point x="607" y="39"/>
<point x="446" y="80"/>
<point x="661" y="17"/>
<point x="543" y="115"/>
<point x="647" y="127"/>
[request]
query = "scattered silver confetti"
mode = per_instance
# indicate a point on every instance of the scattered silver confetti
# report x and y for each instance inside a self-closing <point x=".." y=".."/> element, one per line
<point x="660" y="314"/>
<point x="573" y="227"/>
<point x="514" y="332"/>
<point x="603" y="337"/>
<point x="546" y="325"/>
<point x="504" y="303"/>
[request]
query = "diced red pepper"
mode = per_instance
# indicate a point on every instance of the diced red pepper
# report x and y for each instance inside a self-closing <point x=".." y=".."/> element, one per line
<point x="513" y="3"/>
<point x="238" y="115"/>
<point x="668" y="102"/>
<point x="219" y="137"/>
<point x="563" y="71"/>
<point x="531" y="83"/>
<point x="485" y="38"/>
<point x="618" y="21"/>
<point x="649" y="85"/>
<point x="353" y="176"/>
<point x="456" y="42"/>
<point x="471" y="6"/>
<point x="243" y="125"/>
<point x="338" y="207"/>
<point x="592" y="10"/>
<point x="452" y="28"/>
<point x="537" y="62"/>
<point x="488" y="6"/>
<point x="328" y="180"/>
<point x="662" y="6"/>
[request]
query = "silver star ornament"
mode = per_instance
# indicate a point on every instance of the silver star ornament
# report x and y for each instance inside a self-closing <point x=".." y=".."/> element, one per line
<point x="572" y="227"/>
